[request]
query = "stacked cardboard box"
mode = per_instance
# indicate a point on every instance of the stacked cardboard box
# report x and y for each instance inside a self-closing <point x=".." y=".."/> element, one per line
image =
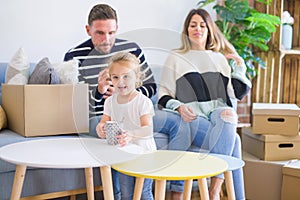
<point x="273" y="137"/>
<point x="275" y="132"/>
<point x="275" y="119"/>
<point x="263" y="179"/>
<point x="271" y="147"/>
<point x="291" y="181"/>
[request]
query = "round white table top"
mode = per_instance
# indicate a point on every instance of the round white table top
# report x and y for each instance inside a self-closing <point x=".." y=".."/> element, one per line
<point x="233" y="162"/>
<point x="173" y="165"/>
<point x="67" y="153"/>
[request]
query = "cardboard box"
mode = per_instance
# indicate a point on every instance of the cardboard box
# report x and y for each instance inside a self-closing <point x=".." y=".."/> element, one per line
<point x="40" y="110"/>
<point x="263" y="179"/>
<point x="291" y="181"/>
<point x="271" y="147"/>
<point x="268" y="118"/>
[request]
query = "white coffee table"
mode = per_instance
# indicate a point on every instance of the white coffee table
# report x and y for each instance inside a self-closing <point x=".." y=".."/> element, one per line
<point x="67" y="153"/>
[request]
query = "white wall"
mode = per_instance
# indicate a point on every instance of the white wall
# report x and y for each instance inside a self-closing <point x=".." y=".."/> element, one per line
<point x="47" y="28"/>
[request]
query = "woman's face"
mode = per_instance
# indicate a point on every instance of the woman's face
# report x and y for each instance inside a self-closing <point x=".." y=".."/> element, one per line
<point x="197" y="32"/>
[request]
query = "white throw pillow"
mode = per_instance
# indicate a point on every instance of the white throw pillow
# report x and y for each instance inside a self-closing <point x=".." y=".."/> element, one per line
<point x="67" y="71"/>
<point x="18" y="69"/>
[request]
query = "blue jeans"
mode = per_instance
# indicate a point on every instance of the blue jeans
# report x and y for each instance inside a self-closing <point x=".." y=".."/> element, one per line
<point x="127" y="187"/>
<point x="171" y="124"/>
<point x="214" y="135"/>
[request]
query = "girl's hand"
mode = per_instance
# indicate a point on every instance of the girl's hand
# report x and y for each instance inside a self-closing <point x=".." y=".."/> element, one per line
<point x="124" y="138"/>
<point x="186" y="113"/>
<point x="100" y="130"/>
<point x="238" y="59"/>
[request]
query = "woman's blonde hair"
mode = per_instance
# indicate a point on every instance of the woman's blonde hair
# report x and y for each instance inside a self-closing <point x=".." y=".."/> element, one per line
<point x="215" y="38"/>
<point x="134" y="64"/>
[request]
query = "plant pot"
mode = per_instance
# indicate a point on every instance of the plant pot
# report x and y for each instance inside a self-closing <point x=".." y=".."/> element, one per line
<point x="287" y="36"/>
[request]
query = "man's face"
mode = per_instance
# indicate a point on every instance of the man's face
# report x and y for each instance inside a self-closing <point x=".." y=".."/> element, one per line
<point x="103" y="34"/>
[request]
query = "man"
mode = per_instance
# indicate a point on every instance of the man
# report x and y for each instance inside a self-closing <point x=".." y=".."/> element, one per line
<point x="93" y="56"/>
<point x="94" y="53"/>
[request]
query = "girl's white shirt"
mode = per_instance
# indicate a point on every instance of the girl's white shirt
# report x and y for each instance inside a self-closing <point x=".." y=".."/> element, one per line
<point x="128" y="116"/>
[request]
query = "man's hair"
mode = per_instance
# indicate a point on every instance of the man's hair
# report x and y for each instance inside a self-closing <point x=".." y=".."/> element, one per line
<point x="101" y="12"/>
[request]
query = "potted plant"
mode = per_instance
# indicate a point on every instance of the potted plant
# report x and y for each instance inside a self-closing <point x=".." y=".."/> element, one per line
<point x="245" y="28"/>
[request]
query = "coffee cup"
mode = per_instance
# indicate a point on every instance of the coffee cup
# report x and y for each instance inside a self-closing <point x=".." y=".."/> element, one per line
<point x="112" y="129"/>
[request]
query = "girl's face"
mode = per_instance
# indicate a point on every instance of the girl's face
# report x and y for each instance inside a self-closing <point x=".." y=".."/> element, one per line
<point x="123" y="78"/>
<point x="197" y="32"/>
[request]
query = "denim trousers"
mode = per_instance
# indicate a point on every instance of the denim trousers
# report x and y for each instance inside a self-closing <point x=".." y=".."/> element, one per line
<point x="127" y="184"/>
<point x="212" y="135"/>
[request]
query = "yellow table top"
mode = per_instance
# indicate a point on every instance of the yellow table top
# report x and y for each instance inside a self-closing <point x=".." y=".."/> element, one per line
<point x="173" y="165"/>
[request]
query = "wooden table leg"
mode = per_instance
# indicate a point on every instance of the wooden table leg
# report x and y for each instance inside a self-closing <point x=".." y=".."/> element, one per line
<point x="160" y="189"/>
<point x="229" y="185"/>
<point x="187" y="189"/>
<point x="107" y="182"/>
<point x="138" y="188"/>
<point x="18" y="182"/>
<point x="89" y="183"/>
<point x="202" y="183"/>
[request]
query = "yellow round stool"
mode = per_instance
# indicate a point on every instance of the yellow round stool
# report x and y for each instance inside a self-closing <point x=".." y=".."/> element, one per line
<point x="163" y="165"/>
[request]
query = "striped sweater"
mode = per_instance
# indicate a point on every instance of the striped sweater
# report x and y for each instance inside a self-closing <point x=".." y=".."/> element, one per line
<point x="91" y="62"/>
<point x="202" y="80"/>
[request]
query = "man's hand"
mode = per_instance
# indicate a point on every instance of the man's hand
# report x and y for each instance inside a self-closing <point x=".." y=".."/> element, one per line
<point x="104" y="84"/>
<point x="186" y="113"/>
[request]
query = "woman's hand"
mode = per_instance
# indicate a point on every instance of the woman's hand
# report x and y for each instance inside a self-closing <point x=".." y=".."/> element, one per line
<point x="124" y="138"/>
<point x="186" y="113"/>
<point x="100" y="130"/>
<point x="238" y="59"/>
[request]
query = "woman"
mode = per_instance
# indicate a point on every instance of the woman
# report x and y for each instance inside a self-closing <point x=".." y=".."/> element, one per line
<point x="199" y="84"/>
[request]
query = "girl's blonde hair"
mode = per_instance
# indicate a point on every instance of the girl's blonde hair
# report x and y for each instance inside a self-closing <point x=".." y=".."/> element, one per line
<point x="132" y="60"/>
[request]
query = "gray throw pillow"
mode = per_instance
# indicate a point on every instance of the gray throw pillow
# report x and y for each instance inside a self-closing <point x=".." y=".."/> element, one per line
<point x="44" y="73"/>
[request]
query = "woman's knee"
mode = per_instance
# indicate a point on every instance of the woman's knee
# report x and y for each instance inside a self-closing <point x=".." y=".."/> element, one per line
<point x="229" y="115"/>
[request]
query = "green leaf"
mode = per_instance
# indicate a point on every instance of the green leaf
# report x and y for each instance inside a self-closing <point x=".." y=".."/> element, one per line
<point x="264" y="20"/>
<point x="233" y="10"/>
<point x="204" y="3"/>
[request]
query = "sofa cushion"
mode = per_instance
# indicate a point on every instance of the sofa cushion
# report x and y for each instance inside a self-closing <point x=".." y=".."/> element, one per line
<point x="67" y="71"/>
<point x="3" y="68"/>
<point x="18" y="69"/>
<point x="44" y="73"/>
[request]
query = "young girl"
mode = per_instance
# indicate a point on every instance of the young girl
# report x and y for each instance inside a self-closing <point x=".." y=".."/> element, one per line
<point x="133" y="111"/>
